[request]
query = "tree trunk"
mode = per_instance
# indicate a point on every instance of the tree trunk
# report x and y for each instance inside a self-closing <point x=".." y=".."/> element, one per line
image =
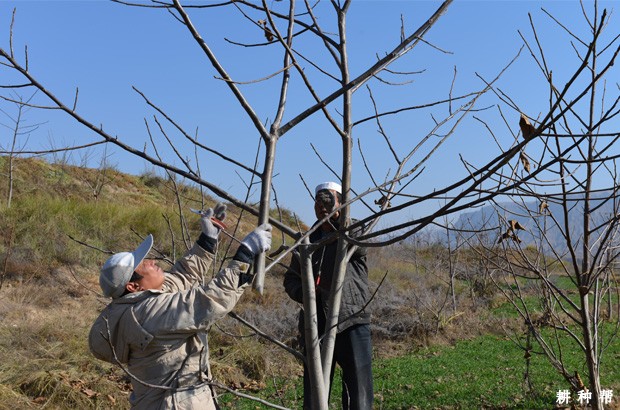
<point x="590" y="342"/>
<point x="311" y="334"/>
<point x="266" y="177"/>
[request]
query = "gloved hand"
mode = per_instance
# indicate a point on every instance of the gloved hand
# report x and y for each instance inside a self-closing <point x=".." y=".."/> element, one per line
<point x="208" y="228"/>
<point x="259" y="240"/>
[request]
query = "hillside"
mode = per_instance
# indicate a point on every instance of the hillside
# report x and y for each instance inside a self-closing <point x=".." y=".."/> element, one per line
<point x="53" y="206"/>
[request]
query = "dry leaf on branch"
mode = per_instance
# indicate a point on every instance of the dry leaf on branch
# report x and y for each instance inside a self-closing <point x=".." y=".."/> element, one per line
<point x="382" y="201"/>
<point x="515" y="225"/>
<point x="525" y="162"/>
<point x="579" y="381"/>
<point x="268" y="34"/>
<point x="543" y="207"/>
<point x="527" y="129"/>
<point x="509" y="234"/>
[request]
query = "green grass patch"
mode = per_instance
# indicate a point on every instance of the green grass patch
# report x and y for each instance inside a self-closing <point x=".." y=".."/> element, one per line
<point x="486" y="372"/>
<point x="506" y="309"/>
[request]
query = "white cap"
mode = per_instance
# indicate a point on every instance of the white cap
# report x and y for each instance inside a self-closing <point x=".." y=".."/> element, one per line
<point x="117" y="270"/>
<point x="328" y="185"/>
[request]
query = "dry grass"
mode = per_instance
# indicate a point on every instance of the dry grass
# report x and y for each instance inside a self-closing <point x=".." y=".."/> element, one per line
<point x="44" y="357"/>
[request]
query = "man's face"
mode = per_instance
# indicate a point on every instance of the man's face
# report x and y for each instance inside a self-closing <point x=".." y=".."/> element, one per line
<point x="152" y="275"/>
<point x="325" y="202"/>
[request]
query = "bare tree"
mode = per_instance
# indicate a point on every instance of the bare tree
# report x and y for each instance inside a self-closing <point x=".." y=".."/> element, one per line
<point x="18" y="128"/>
<point x="558" y="239"/>
<point x="283" y="26"/>
<point x="101" y="176"/>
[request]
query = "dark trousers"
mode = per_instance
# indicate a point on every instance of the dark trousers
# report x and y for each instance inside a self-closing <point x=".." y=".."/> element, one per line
<point x="353" y="353"/>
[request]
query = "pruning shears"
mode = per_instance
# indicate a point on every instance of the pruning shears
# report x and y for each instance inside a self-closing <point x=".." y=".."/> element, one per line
<point x="214" y="220"/>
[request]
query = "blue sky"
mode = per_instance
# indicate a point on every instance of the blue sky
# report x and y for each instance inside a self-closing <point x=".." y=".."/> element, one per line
<point x="104" y="49"/>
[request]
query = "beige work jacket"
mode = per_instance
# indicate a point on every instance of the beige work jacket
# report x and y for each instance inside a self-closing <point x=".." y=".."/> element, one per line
<point x="161" y="336"/>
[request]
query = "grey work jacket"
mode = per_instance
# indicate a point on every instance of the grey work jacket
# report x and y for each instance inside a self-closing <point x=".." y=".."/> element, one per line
<point x="355" y="292"/>
<point x="160" y="336"/>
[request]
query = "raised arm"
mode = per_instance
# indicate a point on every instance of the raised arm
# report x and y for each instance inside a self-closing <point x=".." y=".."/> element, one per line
<point x="188" y="271"/>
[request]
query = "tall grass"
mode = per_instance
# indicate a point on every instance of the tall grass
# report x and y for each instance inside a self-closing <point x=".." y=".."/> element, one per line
<point x="42" y="228"/>
<point x="44" y="358"/>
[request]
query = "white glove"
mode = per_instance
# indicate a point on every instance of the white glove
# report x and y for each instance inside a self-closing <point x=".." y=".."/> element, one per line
<point x="259" y="240"/>
<point x="208" y="228"/>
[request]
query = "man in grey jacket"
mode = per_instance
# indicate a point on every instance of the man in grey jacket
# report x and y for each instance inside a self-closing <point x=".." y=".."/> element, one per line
<point x="157" y="322"/>
<point x="353" y="348"/>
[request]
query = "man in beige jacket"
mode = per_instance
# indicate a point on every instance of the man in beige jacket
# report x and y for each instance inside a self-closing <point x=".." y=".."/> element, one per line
<point x="157" y="322"/>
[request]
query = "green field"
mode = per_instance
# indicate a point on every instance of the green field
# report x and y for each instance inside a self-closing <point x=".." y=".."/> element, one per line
<point x="484" y="373"/>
